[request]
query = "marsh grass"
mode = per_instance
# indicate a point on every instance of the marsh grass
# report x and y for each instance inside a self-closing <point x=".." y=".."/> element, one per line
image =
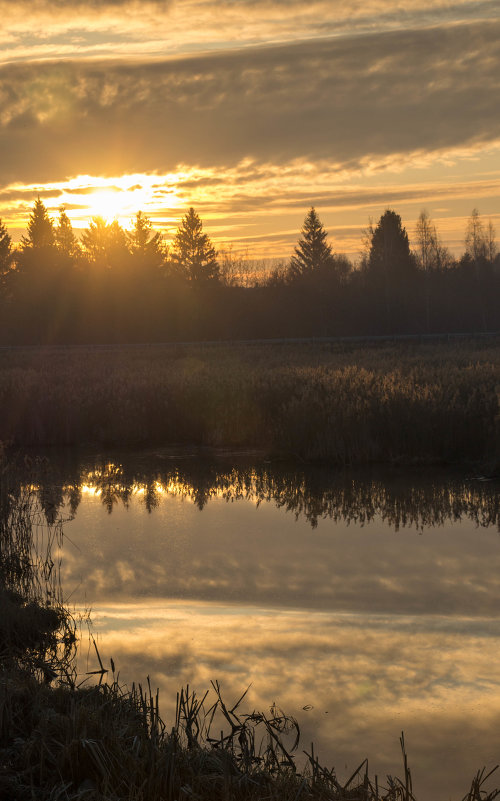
<point x="342" y="404"/>
<point x="37" y="632"/>
<point x="105" y="742"/>
<point x="65" y="737"/>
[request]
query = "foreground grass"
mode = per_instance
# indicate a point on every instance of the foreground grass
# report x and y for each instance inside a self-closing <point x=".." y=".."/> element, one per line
<point x="107" y="743"/>
<point x="110" y="744"/>
<point x="339" y="403"/>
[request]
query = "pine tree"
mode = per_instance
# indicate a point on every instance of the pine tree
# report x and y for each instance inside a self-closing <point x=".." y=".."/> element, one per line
<point x="105" y="244"/>
<point x="40" y="229"/>
<point x="312" y="252"/>
<point x="391" y="270"/>
<point x="66" y="241"/>
<point x="5" y="249"/>
<point x="194" y="253"/>
<point x="94" y="239"/>
<point x="36" y="259"/>
<point x="145" y="246"/>
<point x="390" y="253"/>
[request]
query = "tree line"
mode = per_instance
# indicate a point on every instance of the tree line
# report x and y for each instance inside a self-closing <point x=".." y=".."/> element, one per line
<point x="113" y="285"/>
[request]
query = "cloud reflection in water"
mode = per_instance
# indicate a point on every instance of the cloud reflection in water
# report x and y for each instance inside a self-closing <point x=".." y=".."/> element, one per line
<point x="373" y="600"/>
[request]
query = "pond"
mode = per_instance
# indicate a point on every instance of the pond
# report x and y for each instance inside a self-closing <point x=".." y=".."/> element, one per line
<point x="363" y="603"/>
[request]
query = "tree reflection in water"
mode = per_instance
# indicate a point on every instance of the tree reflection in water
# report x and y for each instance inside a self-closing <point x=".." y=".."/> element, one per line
<point x="409" y="497"/>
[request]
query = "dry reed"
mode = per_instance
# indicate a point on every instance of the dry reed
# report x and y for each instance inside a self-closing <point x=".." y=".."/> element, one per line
<point x="338" y="403"/>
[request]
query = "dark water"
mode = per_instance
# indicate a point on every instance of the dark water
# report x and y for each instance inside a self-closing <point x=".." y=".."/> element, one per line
<point x="362" y="603"/>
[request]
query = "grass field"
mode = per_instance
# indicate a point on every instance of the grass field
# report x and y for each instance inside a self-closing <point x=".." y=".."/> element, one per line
<point x="341" y="403"/>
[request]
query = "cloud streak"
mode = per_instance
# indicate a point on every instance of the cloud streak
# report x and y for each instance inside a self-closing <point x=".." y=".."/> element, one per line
<point x="198" y="24"/>
<point x="343" y="101"/>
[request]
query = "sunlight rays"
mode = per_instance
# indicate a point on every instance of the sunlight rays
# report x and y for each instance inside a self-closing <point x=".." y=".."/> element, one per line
<point x="86" y="196"/>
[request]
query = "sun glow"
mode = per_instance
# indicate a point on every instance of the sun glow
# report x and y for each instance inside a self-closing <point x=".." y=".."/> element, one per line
<point x="85" y="489"/>
<point x="118" y="198"/>
<point x="114" y="204"/>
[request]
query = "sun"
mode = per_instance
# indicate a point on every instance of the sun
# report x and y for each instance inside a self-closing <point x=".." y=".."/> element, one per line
<point x="106" y="203"/>
<point x="118" y="198"/>
<point x="116" y="204"/>
<point x="115" y="198"/>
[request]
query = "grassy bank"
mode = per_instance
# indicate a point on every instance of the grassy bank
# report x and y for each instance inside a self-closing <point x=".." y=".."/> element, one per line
<point x="340" y="403"/>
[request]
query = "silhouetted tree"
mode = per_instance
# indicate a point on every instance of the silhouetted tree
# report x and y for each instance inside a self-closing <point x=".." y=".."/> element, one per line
<point x="36" y="259"/>
<point x="40" y="229"/>
<point x="431" y="256"/>
<point x="65" y="239"/>
<point x="194" y="254"/>
<point x="312" y="252"/>
<point x="105" y="244"/>
<point x="5" y="266"/>
<point x="235" y="268"/>
<point x="390" y="253"/>
<point x="426" y="238"/>
<point x="35" y="286"/>
<point x="5" y="249"/>
<point x="144" y="245"/>
<point x="390" y="267"/>
<point x="476" y="243"/>
<point x="480" y="246"/>
<point x="430" y="252"/>
<point x="491" y="245"/>
<point x="277" y="276"/>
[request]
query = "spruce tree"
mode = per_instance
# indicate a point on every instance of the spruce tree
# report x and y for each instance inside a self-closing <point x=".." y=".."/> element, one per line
<point x="143" y="244"/>
<point x="312" y="253"/>
<point x="390" y="253"/>
<point x="37" y="257"/>
<point x="194" y="253"/>
<point x="105" y="244"/>
<point x="5" y="249"/>
<point x="66" y="241"/>
<point x="40" y="229"/>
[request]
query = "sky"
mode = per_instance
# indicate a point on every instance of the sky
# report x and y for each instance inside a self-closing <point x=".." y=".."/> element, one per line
<point x="252" y="111"/>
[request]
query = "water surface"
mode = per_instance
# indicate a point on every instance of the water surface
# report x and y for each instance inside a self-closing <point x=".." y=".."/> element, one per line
<point x="362" y="603"/>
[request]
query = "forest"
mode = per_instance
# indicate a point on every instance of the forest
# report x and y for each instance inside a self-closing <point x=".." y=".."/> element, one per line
<point x="117" y="286"/>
